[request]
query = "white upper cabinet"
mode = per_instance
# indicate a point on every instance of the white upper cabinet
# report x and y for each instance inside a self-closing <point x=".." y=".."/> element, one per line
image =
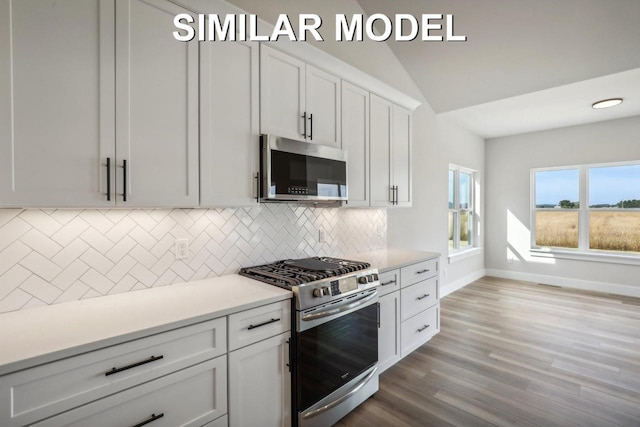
<point x="298" y="101"/>
<point x="390" y="135"/>
<point x="282" y="90"/>
<point x="323" y="107"/>
<point x="355" y="141"/>
<point x="56" y="102"/>
<point x="229" y="123"/>
<point x="380" y="135"/>
<point x="156" y="107"/>
<point x="401" y="155"/>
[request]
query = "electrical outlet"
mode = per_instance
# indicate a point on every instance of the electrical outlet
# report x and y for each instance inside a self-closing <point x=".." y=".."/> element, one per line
<point x="321" y="236"/>
<point x="182" y="248"/>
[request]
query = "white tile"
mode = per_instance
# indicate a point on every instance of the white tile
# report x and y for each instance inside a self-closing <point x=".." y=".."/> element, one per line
<point x="12" y="231"/>
<point x="143" y="219"/>
<point x="120" y="230"/>
<point x="163" y="227"/>
<point x="122" y="268"/>
<point x="138" y="287"/>
<point x="70" y="253"/>
<point x="33" y="303"/>
<point x="121" y="248"/>
<point x="166" y="244"/>
<point x="14" y="301"/>
<point x="97" y="219"/>
<point x="124" y="285"/>
<point x="167" y="278"/>
<point x="91" y="293"/>
<point x="40" y="289"/>
<point x="70" y="231"/>
<point x="163" y="263"/>
<point x="40" y="220"/>
<point x="143" y="238"/>
<point x="143" y="256"/>
<point x="41" y="243"/>
<point x="73" y="293"/>
<point x="64" y="216"/>
<point x="97" y="261"/>
<point x="96" y="240"/>
<point x="41" y="266"/>
<point x="12" y="279"/>
<point x="11" y="255"/>
<point x="143" y="275"/>
<point x="182" y="270"/>
<point x="7" y="215"/>
<point x="70" y="275"/>
<point x="97" y="281"/>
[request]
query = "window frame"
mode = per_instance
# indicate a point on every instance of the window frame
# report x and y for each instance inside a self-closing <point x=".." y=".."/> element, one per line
<point x="472" y="209"/>
<point x="583" y="251"/>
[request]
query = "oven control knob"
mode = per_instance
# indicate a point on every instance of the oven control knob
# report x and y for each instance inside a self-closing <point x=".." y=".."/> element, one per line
<point x="326" y="291"/>
<point x="370" y="278"/>
<point x="375" y="276"/>
<point x="317" y="292"/>
<point x="362" y="280"/>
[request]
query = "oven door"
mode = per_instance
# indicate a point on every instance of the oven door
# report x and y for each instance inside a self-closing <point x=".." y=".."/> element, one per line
<point x="336" y="351"/>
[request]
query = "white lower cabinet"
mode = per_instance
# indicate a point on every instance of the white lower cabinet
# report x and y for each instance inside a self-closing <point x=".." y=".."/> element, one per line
<point x="260" y="384"/>
<point x="409" y="306"/>
<point x="389" y="331"/>
<point x="191" y="397"/>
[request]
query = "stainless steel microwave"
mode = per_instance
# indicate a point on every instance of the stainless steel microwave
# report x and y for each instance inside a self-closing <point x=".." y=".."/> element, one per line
<point x="299" y="171"/>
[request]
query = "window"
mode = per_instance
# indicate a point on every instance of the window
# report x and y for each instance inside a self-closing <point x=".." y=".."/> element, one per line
<point x="461" y="208"/>
<point x="588" y="208"/>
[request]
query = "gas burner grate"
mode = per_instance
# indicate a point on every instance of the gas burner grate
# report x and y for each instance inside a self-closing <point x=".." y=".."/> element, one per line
<point x="290" y="273"/>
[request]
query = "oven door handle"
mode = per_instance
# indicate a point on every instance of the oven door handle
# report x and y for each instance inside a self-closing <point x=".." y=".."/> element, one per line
<point x="354" y="390"/>
<point x="340" y="309"/>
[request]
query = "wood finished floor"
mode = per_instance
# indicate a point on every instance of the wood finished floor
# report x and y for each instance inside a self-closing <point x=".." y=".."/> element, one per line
<point x="515" y="353"/>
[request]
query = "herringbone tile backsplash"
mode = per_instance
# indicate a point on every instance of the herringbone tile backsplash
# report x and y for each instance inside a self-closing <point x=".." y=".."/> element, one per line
<point x="52" y="256"/>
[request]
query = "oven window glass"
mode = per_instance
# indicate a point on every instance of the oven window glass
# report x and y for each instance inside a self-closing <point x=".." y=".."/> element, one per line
<point x="307" y="175"/>
<point x="333" y="353"/>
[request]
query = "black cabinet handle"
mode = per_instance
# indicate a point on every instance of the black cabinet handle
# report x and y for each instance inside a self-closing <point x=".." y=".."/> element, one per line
<point x="396" y="194"/>
<point x="304" y="120"/>
<point x="124" y="180"/>
<point x="289" y="359"/>
<point x="311" y="127"/>
<point x="422" y="297"/>
<point x="263" y="323"/>
<point x="134" y="365"/>
<point x="258" y="187"/>
<point x="388" y="283"/>
<point x="423" y="328"/>
<point x="392" y="189"/>
<point x="151" y="419"/>
<point x="108" y="179"/>
<point x="422" y="271"/>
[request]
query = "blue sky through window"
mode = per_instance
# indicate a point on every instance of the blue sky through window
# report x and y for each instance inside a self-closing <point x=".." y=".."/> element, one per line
<point x="553" y="186"/>
<point x="610" y="185"/>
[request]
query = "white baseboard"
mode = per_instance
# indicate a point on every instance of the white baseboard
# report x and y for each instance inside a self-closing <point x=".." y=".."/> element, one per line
<point x="626" y="290"/>
<point x="461" y="283"/>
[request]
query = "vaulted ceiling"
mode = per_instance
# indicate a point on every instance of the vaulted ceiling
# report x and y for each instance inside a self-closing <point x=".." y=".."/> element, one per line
<point x="527" y="64"/>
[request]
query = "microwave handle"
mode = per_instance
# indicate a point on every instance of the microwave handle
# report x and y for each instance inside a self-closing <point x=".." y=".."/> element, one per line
<point x="257" y="187"/>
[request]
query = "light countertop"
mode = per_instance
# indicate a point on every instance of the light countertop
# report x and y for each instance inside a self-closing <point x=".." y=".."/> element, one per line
<point x="389" y="259"/>
<point x="40" y="335"/>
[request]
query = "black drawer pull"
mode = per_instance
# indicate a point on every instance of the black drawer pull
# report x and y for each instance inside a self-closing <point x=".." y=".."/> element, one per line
<point x="108" y="179"/>
<point x="388" y="283"/>
<point x="151" y="419"/>
<point x="124" y="368"/>
<point x="422" y="297"/>
<point x="263" y="323"/>
<point x="423" y="328"/>
<point x="422" y="271"/>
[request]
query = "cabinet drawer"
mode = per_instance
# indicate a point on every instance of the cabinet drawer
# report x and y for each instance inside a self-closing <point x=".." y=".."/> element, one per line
<point x="191" y="397"/>
<point x="250" y="326"/>
<point x="418" y="272"/>
<point x="418" y="297"/>
<point x="36" y="393"/>
<point x="418" y="329"/>
<point x="389" y="282"/>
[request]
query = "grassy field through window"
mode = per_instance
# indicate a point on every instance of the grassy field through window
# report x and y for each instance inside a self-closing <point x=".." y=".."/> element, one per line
<point x="608" y="231"/>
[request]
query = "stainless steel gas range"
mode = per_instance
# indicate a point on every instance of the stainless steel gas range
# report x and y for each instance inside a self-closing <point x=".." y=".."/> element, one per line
<point x="334" y="352"/>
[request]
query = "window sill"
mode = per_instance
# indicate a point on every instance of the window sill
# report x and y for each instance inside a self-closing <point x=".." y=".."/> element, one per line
<point x="464" y="254"/>
<point x="582" y="256"/>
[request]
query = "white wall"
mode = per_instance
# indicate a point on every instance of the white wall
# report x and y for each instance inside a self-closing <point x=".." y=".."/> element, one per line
<point x="508" y="164"/>
<point x="435" y="142"/>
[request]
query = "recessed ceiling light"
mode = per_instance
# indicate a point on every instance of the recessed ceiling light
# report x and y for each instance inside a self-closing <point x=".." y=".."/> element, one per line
<point x="606" y="103"/>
